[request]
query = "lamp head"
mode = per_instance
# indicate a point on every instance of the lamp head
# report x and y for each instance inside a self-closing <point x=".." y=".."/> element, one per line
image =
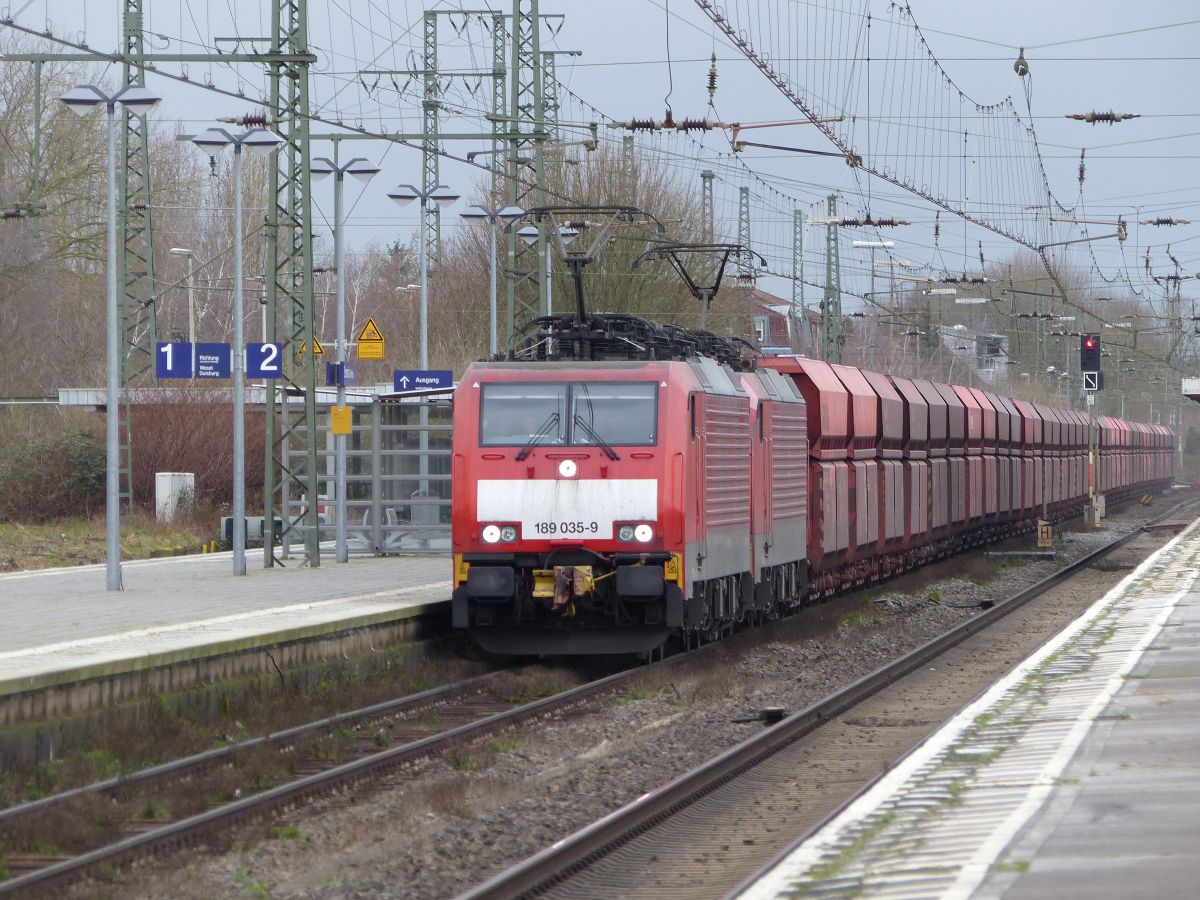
<point x="475" y="213"/>
<point x="83" y="99"/>
<point x="320" y="168"/>
<point x="213" y="139"/>
<point x="404" y="194"/>
<point x="261" y="141"/>
<point x="361" y="170"/>
<point x="137" y="99"/>
<point x="443" y="196"/>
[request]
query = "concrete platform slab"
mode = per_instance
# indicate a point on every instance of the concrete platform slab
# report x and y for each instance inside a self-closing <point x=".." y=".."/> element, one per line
<point x="61" y="625"/>
<point x="1090" y="788"/>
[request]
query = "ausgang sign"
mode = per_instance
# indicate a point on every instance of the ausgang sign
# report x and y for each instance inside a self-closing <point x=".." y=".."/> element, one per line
<point x="404" y="380"/>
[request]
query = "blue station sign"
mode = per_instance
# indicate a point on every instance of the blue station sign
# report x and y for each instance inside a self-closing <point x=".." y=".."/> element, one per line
<point x="407" y="380"/>
<point x="212" y="360"/>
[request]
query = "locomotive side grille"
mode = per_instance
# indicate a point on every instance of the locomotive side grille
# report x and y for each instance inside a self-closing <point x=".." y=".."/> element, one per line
<point x="789" y="462"/>
<point x="726" y="462"/>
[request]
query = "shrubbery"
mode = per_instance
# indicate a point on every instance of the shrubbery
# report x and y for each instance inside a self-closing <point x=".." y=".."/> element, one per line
<point x="53" y="463"/>
<point x="46" y="476"/>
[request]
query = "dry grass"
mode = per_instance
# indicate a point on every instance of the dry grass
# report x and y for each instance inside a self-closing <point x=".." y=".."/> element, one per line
<point x="79" y="542"/>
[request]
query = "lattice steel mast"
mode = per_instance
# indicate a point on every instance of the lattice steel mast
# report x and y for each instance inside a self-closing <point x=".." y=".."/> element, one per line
<point x="290" y="290"/>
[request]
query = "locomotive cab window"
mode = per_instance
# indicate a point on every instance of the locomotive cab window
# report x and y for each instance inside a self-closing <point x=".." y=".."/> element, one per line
<point x="614" y="413"/>
<point x="514" y="414"/>
<point x="580" y="414"/>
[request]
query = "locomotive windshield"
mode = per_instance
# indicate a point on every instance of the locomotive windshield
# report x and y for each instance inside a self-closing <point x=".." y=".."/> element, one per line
<point x="513" y="413"/>
<point x="601" y="413"/>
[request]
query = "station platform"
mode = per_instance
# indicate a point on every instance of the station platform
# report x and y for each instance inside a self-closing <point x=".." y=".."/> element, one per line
<point x="1078" y="774"/>
<point x="68" y="645"/>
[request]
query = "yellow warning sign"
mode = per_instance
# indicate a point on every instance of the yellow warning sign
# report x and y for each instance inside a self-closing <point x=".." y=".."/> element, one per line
<point x="370" y="341"/>
<point x="370" y="332"/>
<point x="302" y="349"/>
<point x="339" y="420"/>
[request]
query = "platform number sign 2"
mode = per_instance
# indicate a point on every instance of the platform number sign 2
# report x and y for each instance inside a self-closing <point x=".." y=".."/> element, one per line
<point x="264" y="360"/>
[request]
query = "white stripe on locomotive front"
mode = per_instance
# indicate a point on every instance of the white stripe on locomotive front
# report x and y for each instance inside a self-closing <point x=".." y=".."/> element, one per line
<point x="537" y="501"/>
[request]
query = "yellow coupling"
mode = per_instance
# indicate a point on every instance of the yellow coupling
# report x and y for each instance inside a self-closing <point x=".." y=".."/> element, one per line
<point x="562" y="583"/>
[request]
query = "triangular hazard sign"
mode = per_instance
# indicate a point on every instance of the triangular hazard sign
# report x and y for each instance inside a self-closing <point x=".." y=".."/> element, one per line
<point x="318" y="350"/>
<point x="370" y="333"/>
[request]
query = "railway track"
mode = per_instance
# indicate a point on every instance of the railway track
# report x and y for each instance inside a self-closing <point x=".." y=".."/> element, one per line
<point x="704" y="832"/>
<point x="379" y="739"/>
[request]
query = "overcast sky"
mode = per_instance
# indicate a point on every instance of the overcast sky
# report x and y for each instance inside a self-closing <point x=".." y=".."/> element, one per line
<point x="1083" y="56"/>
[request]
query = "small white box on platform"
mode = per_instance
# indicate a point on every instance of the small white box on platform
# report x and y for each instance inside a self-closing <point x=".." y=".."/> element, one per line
<point x="172" y="490"/>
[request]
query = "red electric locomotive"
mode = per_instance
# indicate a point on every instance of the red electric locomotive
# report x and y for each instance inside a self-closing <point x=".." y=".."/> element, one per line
<point x="601" y="506"/>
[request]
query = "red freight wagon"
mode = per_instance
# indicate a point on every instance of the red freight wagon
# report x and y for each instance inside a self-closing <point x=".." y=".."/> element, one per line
<point x="864" y="412"/>
<point x="916" y="418"/>
<point x="939" y="468"/>
<point x="827" y="401"/>
<point x="956" y="446"/>
<point x="892" y="504"/>
<point x="864" y="485"/>
<point x="1031" y="459"/>
<point x="991" y="465"/>
<point x="1008" y="434"/>
<point x="829" y="501"/>
<point x="916" y="466"/>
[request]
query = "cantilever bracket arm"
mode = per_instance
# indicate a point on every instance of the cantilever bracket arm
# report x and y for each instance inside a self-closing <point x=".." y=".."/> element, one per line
<point x="1119" y="235"/>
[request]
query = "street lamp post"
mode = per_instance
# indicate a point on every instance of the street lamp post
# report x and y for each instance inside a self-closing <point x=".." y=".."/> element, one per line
<point x="491" y="216"/>
<point x="441" y="195"/>
<point x="262" y="142"/>
<point x="364" y="171"/>
<point x="191" y="299"/>
<point x="82" y="100"/>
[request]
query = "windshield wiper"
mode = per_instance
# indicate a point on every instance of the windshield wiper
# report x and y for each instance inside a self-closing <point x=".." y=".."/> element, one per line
<point x="600" y="442"/>
<point x="551" y="421"/>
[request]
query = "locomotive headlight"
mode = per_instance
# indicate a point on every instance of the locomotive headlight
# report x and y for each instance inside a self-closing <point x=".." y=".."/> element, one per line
<point x="625" y="533"/>
<point x="491" y="534"/>
<point x="643" y="533"/>
<point x="508" y="533"/>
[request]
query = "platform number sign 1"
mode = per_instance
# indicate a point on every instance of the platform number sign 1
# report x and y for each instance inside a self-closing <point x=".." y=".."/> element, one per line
<point x="173" y="360"/>
<point x="264" y="360"/>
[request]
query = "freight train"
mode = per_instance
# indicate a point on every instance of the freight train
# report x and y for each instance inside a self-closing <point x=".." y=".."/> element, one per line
<point x="608" y="505"/>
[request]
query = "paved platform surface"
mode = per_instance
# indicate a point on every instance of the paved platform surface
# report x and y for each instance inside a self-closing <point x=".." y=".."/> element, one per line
<point x="1078" y="775"/>
<point x="56" y="621"/>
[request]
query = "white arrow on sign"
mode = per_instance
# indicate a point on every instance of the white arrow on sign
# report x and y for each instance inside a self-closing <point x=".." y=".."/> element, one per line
<point x="404" y="381"/>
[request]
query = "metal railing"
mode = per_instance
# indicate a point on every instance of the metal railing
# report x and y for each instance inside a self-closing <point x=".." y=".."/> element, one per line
<point x="397" y="496"/>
